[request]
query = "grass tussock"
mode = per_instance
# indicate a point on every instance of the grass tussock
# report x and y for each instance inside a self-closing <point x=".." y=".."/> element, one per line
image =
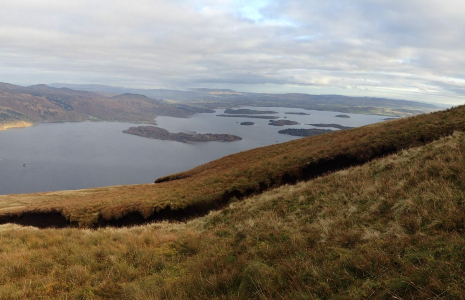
<point x="390" y="229"/>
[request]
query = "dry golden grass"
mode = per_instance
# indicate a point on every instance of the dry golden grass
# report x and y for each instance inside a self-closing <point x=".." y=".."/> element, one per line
<point x="15" y="124"/>
<point x="241" y="174"/>
<point x="390" y="229"/>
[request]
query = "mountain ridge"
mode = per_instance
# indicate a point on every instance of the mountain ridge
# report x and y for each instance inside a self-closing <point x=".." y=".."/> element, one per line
<point x="225" y="98"/>
<point x="42" y="103"/>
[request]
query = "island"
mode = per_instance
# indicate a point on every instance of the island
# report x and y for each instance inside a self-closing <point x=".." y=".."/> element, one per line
<point x="158" y="133"/>
<point x="282" y="122"/>
<point x="247" y="123"/>
<point x="297" y="113"/>
<point x="304" y="132"/>
<point x="247" y="116"/>
<point x="389" y="119"/>
<point x="338" y="126"/>
<point x="342" y="116"/>
<point x="244" y="111"/>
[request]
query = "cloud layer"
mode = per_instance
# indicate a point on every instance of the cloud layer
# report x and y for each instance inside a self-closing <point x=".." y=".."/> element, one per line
<point x="405" y="49"/>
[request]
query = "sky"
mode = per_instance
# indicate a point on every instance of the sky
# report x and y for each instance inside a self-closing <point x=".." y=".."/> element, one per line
<point x="405" y="49"/>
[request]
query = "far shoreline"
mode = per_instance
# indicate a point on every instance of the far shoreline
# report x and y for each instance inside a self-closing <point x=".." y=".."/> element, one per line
<point x="16" y="125"/>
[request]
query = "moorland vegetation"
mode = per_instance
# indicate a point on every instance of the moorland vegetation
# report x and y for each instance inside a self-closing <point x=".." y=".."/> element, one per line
<point x="389" y="229"/>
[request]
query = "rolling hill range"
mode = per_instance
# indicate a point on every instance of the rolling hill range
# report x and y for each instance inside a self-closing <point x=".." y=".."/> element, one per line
<point x="41" y="103"/>
<point x="26" y="106"/>
<point x="225" y="98"/>
<point x="388" y="225"/>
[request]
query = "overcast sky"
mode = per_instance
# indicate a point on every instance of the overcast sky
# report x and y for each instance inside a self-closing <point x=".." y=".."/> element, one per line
<point x="409" y="49"/>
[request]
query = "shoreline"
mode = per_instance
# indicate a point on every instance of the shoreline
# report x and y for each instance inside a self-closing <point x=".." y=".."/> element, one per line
<point x="24" y="124"/>
<point x="13" y="125"/>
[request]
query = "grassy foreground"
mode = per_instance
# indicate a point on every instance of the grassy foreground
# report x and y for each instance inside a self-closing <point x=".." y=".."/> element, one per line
<point x="390" y="229"/>
<point x="213" y="184"/>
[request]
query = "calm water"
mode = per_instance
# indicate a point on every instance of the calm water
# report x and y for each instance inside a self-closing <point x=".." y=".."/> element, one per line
<point x="64" y="156"/>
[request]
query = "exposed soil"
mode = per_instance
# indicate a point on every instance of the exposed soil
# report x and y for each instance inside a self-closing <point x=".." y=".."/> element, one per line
<point x="51" y="219"/>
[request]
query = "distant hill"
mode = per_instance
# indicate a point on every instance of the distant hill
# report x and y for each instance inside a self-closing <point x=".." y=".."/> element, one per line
<point x="181" y="96"/>
<point x="42" y="103"/>
<point x="221" y="98"/>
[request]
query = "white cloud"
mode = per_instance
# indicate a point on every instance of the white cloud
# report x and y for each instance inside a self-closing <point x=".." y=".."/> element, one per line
<point x="409" y="47"/>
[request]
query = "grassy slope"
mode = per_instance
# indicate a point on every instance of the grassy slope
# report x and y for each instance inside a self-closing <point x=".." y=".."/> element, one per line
<point x="390" y="229"/>
<point x="243" y="173"/>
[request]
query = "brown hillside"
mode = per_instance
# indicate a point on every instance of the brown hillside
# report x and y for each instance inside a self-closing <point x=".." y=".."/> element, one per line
<point x="41" y="103"/>
<point x="390" y="229"/>
<point x="214" y="184"/>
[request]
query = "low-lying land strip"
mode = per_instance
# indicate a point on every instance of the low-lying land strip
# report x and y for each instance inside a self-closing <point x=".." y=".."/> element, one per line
<point x="304" y="132"/>
<point x="338" y="126"/>
<point x="283" y="123"/>
<point x="297" y="113"/>
<point x="158" y="133"/>
<point x="247" y="116"/>
<point x="245" y="111"/>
